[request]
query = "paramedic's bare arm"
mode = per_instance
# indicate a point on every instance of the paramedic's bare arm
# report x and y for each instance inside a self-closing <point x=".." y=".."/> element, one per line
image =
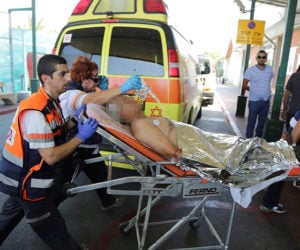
<point x="246" y="84"/>
<point x="54" y="154"/>
<point x="295" y="135"/>
<point x="102" y="97"/>
<point x="286" y="96"/>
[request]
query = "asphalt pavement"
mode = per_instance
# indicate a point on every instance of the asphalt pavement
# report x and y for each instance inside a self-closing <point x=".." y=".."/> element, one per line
<point x="251" y="229"/>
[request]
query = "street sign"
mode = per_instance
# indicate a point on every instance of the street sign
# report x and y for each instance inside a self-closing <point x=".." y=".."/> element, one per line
<point x="250" y="32"/>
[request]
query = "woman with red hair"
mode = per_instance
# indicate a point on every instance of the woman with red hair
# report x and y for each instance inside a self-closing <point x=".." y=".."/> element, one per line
<point x="87" y="87"/>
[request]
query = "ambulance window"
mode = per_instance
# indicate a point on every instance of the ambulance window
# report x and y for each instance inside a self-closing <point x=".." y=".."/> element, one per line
<point x="83" y="42"/>
<point x="115" y="6"/>
<point x="185" y="50"/>
<point x="204" y="65"/>
<point x="135" y="51"/>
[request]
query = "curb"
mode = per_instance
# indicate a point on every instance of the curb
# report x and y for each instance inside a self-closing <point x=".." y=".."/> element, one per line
<point x="7" y="110"/>
<point x="229" y="117"/>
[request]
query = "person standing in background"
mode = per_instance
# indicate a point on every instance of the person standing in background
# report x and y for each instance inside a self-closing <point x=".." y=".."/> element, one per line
<point x="291" y="98"/>
<point x="291" y="103"/>
<point x="257" y="80"/>
<point x="259" y="76"/>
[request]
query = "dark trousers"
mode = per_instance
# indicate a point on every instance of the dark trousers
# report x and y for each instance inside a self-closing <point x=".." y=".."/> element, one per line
<point x="258" y="111"/>
<point x="43" y="216"/>
<point x="96" y="172"/>
<point x="13" y="212"/>
<point x="47" y="222"/>
<point x="273" y="194"/>
<point x="287" y="121"/>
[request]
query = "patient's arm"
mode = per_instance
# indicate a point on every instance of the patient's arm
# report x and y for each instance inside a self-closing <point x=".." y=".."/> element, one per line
<point x="158" y="134"/>
<point x="96" y="111"/>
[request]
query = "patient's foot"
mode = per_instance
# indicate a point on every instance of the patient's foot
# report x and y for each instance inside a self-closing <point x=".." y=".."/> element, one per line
<point x="114" y="202"/>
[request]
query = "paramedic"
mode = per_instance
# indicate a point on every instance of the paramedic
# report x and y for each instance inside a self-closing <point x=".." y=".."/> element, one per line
<point x="291" y="98"/>
<point x="271" y="198"/>
<point x="87" y="87"/>
<point x="35" y="149"/>
<point x="85" y="81"/>
<point x="295" y="126"/>
<point x="259" y="76"/>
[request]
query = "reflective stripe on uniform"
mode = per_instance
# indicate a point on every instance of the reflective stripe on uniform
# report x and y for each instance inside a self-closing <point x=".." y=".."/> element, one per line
<point x="12" y="158"/>
<point x="41" y="183"/>
<point x="8" y="181"/>
<point x="37" y="219"/>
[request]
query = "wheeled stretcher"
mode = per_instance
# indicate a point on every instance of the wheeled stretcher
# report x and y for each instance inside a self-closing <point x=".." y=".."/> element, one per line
<point x="157" y="178"/>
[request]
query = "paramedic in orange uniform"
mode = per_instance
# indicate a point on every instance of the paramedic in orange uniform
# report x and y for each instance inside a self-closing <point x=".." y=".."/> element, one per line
<point x="35" y="149"/>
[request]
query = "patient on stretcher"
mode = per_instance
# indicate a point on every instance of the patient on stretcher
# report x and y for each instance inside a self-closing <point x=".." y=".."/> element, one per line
<point x="242" y="160"/>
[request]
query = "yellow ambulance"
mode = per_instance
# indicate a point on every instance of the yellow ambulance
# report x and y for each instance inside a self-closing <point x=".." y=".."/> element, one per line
<point x="126" y="37"/>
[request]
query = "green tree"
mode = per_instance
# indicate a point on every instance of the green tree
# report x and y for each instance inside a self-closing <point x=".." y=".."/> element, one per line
<point x="28" y="25"/>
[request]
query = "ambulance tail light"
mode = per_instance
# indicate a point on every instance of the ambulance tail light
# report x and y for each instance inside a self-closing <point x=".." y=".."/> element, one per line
<point x="81" y="7"/>
<point x="173" y="63"/>
<point x="154" y="6"/>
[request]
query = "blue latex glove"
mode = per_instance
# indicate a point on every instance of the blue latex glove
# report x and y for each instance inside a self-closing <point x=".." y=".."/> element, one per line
<point x="134" y="82"/>
<point x="79" y="111"/>
<point x="87" y="129"/>
<point x="103" y="83"/>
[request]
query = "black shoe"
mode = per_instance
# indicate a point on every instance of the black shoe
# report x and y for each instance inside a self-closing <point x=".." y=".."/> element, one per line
<point x="83" y="247"/>
<point x="279" y="209"/>
<point x="117" y="202"/>
<point x="296" y="184"/>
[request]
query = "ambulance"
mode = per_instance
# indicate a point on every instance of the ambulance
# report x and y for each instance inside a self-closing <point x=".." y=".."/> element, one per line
<point x="207" y="78"/>
<point x="127" y="37"/>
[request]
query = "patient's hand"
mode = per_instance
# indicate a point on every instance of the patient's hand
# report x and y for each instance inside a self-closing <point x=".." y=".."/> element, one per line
<point x="177" y="154"/>
<point x="96" y="111"/>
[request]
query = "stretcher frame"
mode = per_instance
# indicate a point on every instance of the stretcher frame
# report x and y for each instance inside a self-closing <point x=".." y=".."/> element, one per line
<point x="166" y="179"/>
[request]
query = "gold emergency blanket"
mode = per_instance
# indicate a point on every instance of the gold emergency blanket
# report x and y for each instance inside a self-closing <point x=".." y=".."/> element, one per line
<point x="225" y="158"/>
<point x="232" y="160"/>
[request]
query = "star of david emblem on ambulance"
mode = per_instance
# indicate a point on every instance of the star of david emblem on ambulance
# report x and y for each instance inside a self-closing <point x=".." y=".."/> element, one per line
<point x="156" y="112"/>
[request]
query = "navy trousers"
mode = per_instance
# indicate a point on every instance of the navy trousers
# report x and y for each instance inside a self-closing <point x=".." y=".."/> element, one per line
<point x="43" y="216"/>
<point x="258" y="112"/>
<point x="273" y="194"/>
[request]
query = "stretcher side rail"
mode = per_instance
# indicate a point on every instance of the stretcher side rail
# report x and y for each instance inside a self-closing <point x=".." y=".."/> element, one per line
<point x="191" y="186"/>
<point x="161" y="186"/>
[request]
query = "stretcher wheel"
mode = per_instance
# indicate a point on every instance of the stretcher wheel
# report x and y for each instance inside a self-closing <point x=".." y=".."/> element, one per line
<point x="194" y="224"/>
<point x="67" y="186"/>
<point x="122" y="227"/>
